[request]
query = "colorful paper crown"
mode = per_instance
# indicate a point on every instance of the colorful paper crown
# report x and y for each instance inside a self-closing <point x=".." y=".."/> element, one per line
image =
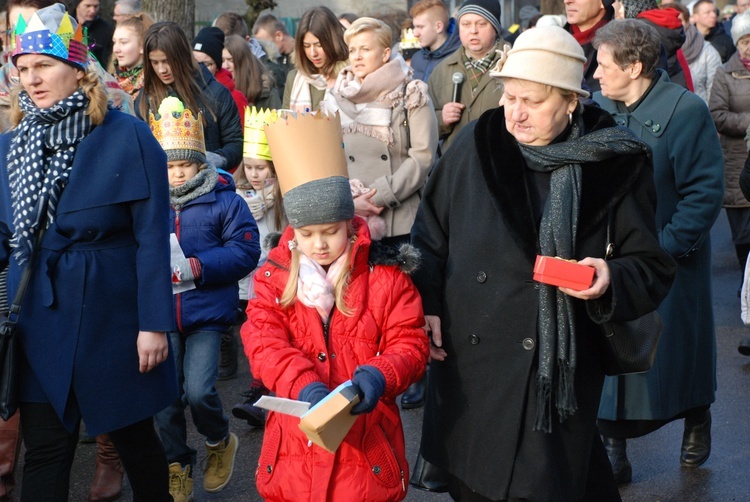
<point x="256" y="144"/>
<point x="178" y="132"/>
<point x="51" y="32"/>
<point x="306" y="147"/>
<point x="408" y="40"/>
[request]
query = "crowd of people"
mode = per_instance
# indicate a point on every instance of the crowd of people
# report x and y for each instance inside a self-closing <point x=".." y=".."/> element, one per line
<point x="362" y="199"/>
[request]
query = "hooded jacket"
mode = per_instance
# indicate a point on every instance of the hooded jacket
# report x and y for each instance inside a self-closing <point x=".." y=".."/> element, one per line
<point x="218" y="229"/>
<point x="722" y="42"/>
<point x="225" y="79"/>
<point x="288" y="349"/>
<point x="425" y="60"/>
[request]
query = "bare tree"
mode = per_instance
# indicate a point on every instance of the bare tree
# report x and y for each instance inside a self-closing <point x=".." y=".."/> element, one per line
<point x="255" y="7"/>
<point x="181" y="12"/>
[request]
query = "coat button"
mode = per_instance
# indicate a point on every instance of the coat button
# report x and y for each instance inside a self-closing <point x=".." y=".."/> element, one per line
<point x="322" y="356"/>
<point x="333" y="355"/>
<point x="481" y="277"/>
<point x="649" y="123"/>
<point x="351" y="158"/>
<point x="268" y="273"/>
<point x="393" y="204"/>
<point x="269" y="469"/>
<point x="376" y="470"/>
<point x="528" y="344"/>
<point x="656" y="128"/>
<point x="474" y="339"/>
<point x="383" y="157"/>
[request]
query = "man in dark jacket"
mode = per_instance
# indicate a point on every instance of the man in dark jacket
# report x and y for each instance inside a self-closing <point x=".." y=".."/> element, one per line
<point x="437" y="34"/>
<point x="704" y="18"/>
<point x="100" y="32"/>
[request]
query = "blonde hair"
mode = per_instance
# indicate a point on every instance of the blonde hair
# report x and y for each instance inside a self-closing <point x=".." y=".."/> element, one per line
<point x="91" y="86"/>
<point x="340" y="283"/>
<point x="241" y="182"/>
<point x="383" y="33"/>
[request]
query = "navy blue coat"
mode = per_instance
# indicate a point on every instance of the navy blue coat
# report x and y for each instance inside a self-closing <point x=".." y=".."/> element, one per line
<point x="218" y="229"/>
<point x="689" y="176"/>
<point x="101" y="275"/>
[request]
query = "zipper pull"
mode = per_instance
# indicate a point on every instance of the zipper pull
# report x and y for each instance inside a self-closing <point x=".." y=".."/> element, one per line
<point x="403" y="481"/>
<point x="309" y="444"/>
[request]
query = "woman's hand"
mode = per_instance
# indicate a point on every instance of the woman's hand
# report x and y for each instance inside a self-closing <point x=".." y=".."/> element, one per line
<point x="363" y="205"/>
<point x="152" y="349"/>
<point x="432" y="327"/>
<point x="601" y="280"/>
<point x="452" y="112"/>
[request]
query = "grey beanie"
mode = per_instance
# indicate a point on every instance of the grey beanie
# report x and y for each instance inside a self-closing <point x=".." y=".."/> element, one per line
<point x="325" y="200"/>
<point x="488" y="9"/>
<point x="740" y="26"/>
<point x="179" y="154"/>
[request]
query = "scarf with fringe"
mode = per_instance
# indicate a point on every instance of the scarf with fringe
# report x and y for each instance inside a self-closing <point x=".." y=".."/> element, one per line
<point x="366" y="106"/>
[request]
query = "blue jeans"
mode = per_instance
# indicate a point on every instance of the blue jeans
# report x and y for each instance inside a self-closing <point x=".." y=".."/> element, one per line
<point x="197" y="358"/>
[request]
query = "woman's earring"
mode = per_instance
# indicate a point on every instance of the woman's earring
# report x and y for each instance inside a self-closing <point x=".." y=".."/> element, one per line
<point x="570" y="118"/>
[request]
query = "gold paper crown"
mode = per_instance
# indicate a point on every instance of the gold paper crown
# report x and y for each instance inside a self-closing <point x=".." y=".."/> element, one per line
<point x="306" y="147"/>
<point x="175" y="128"/>
<point x="408" y="40"/>
<point x="256" y="144"/>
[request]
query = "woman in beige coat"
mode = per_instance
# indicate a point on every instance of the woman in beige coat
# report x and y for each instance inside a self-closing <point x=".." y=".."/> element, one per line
<point x="390" y="130"/>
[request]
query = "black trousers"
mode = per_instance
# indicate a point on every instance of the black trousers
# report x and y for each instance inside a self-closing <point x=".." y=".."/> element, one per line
<point x="50" y="449"/>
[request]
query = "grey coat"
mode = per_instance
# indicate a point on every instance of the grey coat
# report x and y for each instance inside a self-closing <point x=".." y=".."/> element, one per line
<point x="730" y="108"/>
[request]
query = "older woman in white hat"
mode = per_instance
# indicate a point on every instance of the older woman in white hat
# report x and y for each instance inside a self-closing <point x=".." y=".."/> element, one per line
<point x="516" y="374"/>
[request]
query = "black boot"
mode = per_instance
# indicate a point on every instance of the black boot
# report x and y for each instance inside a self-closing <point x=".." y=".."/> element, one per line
<point x="246" y="410"/>
<point x="616" y="451"/>
<point x="696" y="440"/>
<point x="414" y="395"/>
<point x="228" y="356"/>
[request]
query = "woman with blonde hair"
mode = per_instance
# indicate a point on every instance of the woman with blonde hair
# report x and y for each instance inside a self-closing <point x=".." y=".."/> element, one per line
<point x="98" y="215"/>
<point x="127" y="52"/>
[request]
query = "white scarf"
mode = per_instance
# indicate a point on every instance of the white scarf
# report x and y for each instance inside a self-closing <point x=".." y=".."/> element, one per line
<point x="301" y="98"/>
<point x="315" y="285"/>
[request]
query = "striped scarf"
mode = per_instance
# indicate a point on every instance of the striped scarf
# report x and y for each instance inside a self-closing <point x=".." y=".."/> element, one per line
<point x="475" y="68"/>
<point x="39" y="163"/>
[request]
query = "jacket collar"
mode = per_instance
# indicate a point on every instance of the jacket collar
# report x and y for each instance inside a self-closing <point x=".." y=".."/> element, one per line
<point x="504" y="170"/>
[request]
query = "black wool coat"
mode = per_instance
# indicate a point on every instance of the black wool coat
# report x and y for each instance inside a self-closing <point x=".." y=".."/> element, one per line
<point x="478" y="238"/>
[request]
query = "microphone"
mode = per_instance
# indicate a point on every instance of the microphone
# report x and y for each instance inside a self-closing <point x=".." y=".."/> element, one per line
<point x="457" y="78"/>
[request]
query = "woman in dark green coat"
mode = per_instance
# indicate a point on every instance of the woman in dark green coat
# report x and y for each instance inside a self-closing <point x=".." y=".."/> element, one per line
<point x="688" y="171"/>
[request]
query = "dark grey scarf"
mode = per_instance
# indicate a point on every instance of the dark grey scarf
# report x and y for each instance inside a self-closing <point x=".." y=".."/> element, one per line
<point x="201" y="184"/>
<point x="557" y="237"/>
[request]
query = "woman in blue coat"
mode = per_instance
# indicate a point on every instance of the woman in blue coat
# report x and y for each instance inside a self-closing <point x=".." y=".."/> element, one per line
<point x="688" y="171"/>
<point x="99" y="301"/>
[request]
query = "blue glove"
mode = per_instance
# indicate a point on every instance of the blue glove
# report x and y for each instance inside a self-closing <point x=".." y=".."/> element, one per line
<point x="313" y="393"/>
<point x="369" y="383"/>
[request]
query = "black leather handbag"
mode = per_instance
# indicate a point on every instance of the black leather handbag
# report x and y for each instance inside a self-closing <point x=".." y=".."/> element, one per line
<point x="8" y="320"/>
<point x="630" y="345"/>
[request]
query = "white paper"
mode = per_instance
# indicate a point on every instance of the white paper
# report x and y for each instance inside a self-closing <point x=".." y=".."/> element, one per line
<point x="283" y="405"/>
<point x="177" y="254"/>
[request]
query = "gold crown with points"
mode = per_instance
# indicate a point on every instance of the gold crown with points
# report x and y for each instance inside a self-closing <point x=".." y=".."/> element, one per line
<point x="178" y="131"/>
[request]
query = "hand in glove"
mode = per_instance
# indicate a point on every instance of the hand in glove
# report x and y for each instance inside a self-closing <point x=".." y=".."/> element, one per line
<point x="186" y="269"/>
<point x="313" y="392"/>
<point x="369" y="383"/>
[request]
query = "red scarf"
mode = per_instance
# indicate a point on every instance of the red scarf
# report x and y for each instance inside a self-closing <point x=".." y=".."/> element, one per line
<point x="746" y="62"/>
<point x="585" y="37"/>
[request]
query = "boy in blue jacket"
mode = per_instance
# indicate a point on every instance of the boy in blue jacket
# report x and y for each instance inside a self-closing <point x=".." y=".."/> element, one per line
<point x="215" y="244"/>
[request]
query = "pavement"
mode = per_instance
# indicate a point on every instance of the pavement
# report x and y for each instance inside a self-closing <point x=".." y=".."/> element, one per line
<point x="657" y="475"/>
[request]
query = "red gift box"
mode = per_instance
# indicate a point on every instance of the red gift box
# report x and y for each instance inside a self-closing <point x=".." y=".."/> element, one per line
<point x="564" y="273"/>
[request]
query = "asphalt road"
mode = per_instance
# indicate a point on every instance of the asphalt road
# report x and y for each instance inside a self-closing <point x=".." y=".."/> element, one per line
<point x="657" y="475"/>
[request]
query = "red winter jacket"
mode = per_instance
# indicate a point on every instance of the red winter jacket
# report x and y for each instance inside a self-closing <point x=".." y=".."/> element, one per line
<point x="225" y="79"/>
<point x="287" y="351"/>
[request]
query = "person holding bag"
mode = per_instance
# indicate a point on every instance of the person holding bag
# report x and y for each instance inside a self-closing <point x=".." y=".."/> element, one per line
<point x="98" y="304"/>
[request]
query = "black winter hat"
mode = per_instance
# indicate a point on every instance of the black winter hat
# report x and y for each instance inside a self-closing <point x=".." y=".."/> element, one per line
<point x="210" y="40"/>
<point x="488" y="9"/>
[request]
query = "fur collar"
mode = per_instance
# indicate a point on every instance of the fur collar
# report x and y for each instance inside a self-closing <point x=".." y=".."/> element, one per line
<point x="503" y="167"/>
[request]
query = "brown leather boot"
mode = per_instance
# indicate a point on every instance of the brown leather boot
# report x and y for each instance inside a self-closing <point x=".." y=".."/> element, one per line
<point x="107" y="483"/>
<point x="9" y="448"/>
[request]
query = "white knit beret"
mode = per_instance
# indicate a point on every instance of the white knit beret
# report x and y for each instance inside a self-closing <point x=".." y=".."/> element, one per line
<point x="547" y="55"/>
<point x="740" y="26"/>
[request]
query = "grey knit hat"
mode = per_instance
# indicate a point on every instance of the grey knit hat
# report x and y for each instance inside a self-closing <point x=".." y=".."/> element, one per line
<point x="316" y="202"/>
<point x="488" y="9"/>
<point x="740" y="26"/>
<point x="635" y="7"/>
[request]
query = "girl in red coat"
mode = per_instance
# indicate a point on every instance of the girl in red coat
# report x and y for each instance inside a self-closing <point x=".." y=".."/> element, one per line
<point x="329" y="307"/>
